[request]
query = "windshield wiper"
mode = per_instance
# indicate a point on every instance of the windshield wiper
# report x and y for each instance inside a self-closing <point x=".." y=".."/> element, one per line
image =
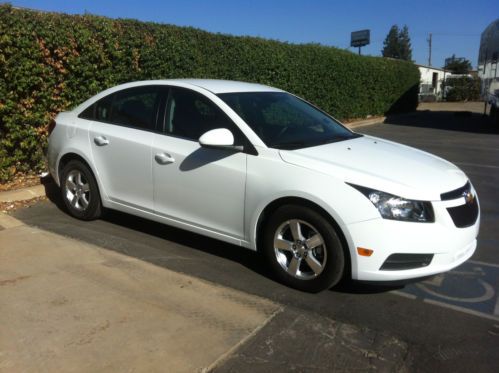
<point x="288" y="145"/>
<point x="307" y="144"/>
<point x="339" y="138"/>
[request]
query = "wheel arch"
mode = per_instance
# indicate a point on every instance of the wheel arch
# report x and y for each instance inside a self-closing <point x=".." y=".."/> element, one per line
<point x="66" y="158"/>
<point x="299" y="201"/>
<point x="73" y="155"/>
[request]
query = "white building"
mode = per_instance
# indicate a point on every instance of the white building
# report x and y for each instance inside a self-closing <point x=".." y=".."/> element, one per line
<point x="488" y="61"/>
<point x="430" y="87"/>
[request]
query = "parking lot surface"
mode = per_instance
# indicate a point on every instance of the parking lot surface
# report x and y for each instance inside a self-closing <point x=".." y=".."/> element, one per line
<point x="448" y="323"/>
<point x="107" y="311"/>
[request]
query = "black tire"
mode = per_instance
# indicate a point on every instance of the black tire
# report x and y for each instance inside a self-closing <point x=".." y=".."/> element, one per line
<point x="329" y="253"/>
<point x="80" y="192"/>
<point x="494" y="115"/>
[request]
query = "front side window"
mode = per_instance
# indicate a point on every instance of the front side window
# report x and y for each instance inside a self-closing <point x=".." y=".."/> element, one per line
<point x="133" y="107"/>
<point x="284" y="121"/>
<point x="190" y="115"/>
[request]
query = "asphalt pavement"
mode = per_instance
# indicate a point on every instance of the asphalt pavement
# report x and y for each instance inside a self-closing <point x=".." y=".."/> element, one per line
<point x="447" y="323"/>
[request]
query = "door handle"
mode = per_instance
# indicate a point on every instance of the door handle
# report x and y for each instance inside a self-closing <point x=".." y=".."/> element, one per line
<point x="101" y="141"/>
<point x="164" y="158"/>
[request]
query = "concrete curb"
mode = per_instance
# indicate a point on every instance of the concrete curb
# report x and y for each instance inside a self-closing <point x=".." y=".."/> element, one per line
<point x="7" y="221"/>
<point x="365" y="122"/>
<point x="22" y="194"/>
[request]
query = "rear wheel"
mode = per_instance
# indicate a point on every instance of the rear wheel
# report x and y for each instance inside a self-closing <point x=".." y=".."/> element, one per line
<point x="79" y="191"/>
<point x="303" y="249"/>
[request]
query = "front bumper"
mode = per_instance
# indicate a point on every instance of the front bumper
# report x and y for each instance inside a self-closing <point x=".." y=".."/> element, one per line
<point x="449" y="245"/>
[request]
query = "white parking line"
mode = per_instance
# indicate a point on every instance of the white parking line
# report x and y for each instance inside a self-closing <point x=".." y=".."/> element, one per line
<point x="476" y="165"/>
<point x="496" y="308"/>
<point x="494" y="317"/>
<point x="484" y="263"/>
<point x="402" y="294"/>
<point x="461" y="309"/>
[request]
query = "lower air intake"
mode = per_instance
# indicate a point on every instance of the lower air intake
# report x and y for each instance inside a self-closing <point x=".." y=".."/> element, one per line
<point x="397" y="262"/>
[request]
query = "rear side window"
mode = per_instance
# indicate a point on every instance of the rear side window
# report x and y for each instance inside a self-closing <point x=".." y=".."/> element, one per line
<point x="88" y="113"/>
<point x="103" y="109"/>
<point x="133" y="107"/>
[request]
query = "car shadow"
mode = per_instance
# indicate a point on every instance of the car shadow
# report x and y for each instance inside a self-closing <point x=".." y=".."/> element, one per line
<point x="52" y="192"/>
<point x="247" y="258"/>
<point x="203" y="156"/>
<point x="462" y="121"/>
<point x="358" y="287"/>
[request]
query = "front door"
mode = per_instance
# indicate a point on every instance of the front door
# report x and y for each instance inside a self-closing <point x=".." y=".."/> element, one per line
<point x="196" y="185"/>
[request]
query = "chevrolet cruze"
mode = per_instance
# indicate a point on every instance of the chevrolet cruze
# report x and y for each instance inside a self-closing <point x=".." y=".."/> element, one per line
<point x="263" y="169"/>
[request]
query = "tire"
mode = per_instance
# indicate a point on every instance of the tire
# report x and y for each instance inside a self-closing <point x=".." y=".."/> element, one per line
<point x="303" y="249"/>
<point x="80" y="192"/>
<point x="494" y="115"/>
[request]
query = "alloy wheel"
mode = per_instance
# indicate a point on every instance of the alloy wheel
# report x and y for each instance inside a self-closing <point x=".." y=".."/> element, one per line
<point x="77" y="190"/>
<point x="300" y="249"/>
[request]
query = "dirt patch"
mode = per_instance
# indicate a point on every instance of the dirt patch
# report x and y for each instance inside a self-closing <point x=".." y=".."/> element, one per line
<point x="12" y="206"/>
<point x="20" y="181"/>
<point x="470" y="106"/>
<point x="12" y="281"/>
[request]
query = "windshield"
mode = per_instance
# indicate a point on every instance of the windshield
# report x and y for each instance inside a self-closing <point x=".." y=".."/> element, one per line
<point x="283" y="121"/>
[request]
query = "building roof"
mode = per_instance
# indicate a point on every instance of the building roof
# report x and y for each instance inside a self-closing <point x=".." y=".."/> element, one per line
<point x="431" y="67"/>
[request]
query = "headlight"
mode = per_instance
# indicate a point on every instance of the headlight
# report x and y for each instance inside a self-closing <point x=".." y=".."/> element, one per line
<point x="398" y="208"/>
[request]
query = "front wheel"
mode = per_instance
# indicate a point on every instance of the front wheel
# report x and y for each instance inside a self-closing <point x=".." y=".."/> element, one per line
<point x="80" y="192"/>
<point x="303" y="249"/>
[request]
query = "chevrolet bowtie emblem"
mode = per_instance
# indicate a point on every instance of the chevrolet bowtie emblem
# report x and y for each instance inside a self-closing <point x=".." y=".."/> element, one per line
<point x="468" y="197"/>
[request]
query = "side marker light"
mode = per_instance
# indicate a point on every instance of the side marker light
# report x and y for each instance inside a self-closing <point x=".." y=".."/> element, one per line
<point x="364" y="252"/>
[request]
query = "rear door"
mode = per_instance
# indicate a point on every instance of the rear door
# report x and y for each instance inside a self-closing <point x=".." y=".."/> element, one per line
<point x="121" y="135"/>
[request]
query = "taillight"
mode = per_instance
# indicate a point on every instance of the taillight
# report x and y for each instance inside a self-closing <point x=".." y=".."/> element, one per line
<point x="51" y="126"/>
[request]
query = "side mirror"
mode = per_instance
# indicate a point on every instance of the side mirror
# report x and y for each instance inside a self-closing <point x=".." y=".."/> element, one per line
<point x="219" y="138"/>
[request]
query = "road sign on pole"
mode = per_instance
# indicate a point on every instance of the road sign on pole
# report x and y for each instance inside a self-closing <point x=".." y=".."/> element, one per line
<point x="360" y="38"/>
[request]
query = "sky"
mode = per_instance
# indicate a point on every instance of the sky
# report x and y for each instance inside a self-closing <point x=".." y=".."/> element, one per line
<point x="455" y="25"/>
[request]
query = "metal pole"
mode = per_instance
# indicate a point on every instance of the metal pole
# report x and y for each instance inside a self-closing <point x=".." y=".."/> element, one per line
<point x="359" y="51"/>
<point x="429" y="56"/>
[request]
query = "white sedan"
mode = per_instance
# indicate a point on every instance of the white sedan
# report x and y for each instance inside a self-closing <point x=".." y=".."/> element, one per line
<point x="263" y="169"/>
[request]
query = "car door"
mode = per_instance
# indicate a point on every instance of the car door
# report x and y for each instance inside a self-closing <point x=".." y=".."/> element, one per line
<point x="196" y="185"/>
<point x="121" y="135"/>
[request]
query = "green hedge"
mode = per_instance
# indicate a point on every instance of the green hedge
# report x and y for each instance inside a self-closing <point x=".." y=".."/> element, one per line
<point x="462" y="89"/>
<point x="50" y="62"/>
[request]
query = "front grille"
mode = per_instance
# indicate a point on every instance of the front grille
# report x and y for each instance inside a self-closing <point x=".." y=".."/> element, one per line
<point x="406" y="261"/>
<point x="465" y="215"/>
<point x="457" y="193"/>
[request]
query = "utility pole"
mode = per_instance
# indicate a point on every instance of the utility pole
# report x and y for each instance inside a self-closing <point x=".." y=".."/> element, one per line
<point x="429" y="45"/>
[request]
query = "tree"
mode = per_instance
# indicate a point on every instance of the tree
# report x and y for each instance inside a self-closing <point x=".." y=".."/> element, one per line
<point x="405" y="44"/>
<point x="457" y="65"/>
<point x="391" y="43"/>
<point x="397" y="44"/>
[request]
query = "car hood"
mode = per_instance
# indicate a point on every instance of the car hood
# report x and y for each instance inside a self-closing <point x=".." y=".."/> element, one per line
<point x="382" y="165"/>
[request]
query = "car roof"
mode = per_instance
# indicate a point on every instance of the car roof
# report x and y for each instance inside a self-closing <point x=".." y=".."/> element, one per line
<point x="227" y="86"/>
<point x="215" y="86"/>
